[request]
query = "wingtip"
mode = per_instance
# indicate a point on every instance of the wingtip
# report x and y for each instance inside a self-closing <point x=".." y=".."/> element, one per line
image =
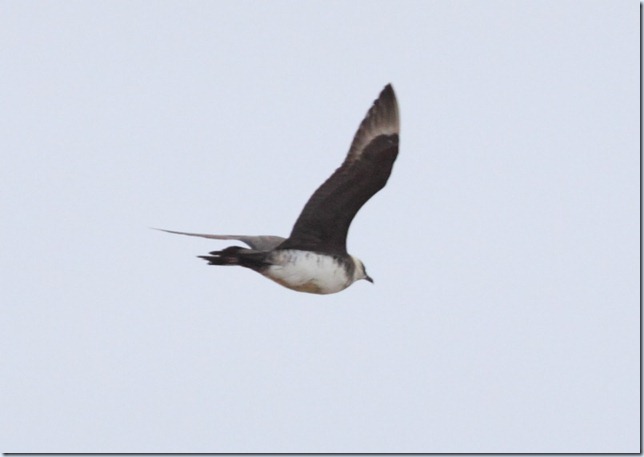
<point x="386" y="105"/>
<point x="383" y="118"/>
<point x="165" y="230"/>
<point x="388" y="91"/>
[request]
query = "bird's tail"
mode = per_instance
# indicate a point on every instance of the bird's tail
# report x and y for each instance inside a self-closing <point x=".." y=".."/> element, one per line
<point x="236" y="255"/>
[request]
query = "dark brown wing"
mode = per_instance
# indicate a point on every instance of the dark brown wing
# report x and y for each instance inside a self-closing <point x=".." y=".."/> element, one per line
<point x="324" y="222"/>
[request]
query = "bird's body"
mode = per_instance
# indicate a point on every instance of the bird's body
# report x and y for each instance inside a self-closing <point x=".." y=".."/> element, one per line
<point x="307" y="271"/>
<point x="314" y="257"/>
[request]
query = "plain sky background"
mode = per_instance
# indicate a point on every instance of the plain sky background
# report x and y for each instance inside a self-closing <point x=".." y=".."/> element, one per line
<point x="505" y="249"/>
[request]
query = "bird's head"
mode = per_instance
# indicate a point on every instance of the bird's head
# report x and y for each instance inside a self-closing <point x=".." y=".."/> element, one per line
<point x="360" y="271"/>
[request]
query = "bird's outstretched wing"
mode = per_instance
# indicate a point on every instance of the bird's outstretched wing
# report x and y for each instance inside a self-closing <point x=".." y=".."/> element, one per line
<point x="260" y="243"/>
<point x="324" y="222"/>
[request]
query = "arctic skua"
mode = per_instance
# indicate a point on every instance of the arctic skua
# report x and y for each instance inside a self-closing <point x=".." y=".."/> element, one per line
<point x="314" y="257"/>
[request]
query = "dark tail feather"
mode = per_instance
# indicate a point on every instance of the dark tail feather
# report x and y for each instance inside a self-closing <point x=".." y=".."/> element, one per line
<point x="236" y="255"/>
<point x="229" y="256"/>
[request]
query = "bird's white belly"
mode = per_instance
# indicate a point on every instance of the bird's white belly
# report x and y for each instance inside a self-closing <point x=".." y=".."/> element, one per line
<point x="306" y="271"/>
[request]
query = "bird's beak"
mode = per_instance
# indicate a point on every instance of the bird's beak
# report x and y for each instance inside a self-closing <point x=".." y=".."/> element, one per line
<point x="368" y="278"/>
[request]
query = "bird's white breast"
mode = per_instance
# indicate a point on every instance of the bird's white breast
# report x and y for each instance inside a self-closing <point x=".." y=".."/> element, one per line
<point x="306" y="271"/>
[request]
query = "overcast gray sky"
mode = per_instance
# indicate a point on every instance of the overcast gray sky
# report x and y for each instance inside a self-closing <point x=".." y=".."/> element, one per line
<point x="505" y="248"/>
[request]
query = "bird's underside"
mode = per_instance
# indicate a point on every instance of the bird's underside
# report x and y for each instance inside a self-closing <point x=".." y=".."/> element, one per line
<point x="314" y="257"/>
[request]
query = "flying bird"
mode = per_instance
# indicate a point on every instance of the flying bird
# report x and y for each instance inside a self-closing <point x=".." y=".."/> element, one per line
<point x="314" y="257"/>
